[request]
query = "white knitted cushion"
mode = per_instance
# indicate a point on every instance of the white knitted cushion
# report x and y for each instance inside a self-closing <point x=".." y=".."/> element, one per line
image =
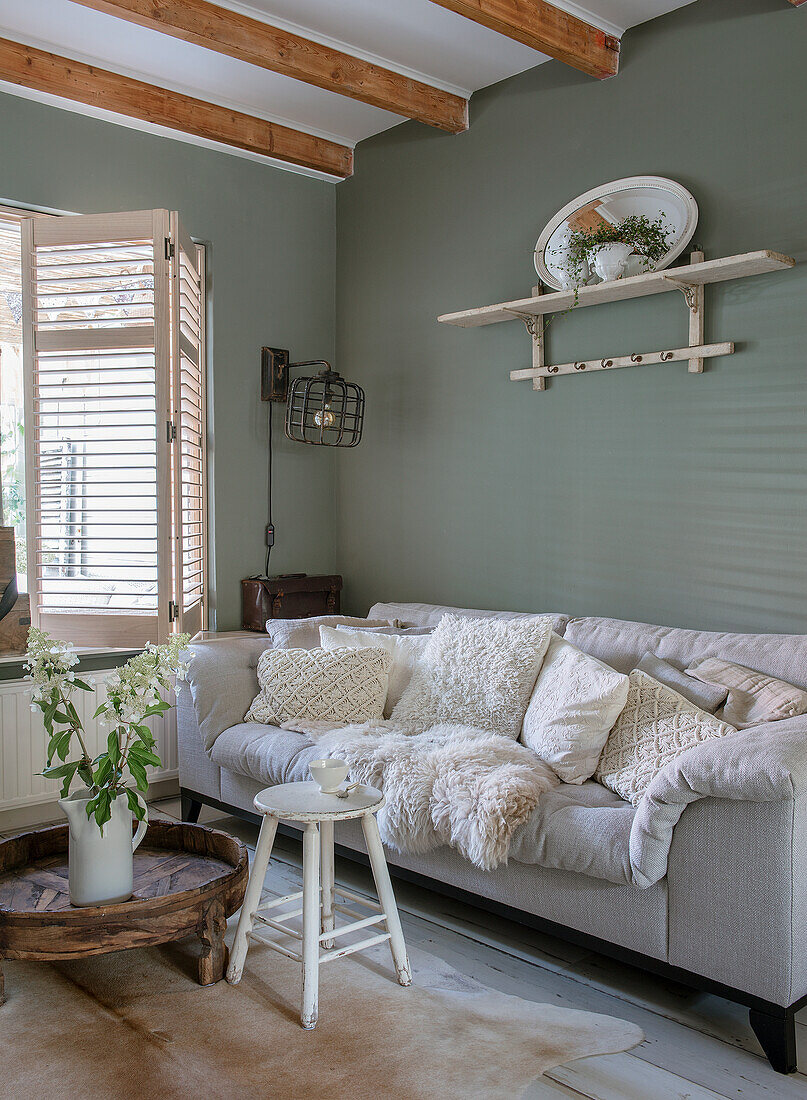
<point x="477" y="672"/>
<point x="656" y="725"/>
<point x="405" y="650"/>
<point x="575" y="703"/>
<point x="347" y="685"/>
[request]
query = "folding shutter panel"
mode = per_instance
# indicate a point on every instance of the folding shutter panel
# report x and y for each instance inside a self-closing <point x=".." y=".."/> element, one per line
<point x="96" y="317"/>
<point x="188" y="428"/>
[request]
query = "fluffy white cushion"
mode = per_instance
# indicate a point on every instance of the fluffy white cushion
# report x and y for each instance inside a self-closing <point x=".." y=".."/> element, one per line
<point x="405" y="650"/>
<point x="656" y="725"/>
<point x="477" y="672"/>
<point x="347" y="685"/>
<point x="575" y="703"/>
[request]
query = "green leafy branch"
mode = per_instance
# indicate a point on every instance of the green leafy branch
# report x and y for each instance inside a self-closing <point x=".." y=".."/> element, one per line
<point x="133" y="696"/>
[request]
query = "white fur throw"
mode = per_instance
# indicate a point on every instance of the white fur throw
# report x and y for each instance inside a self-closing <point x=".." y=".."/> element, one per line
<point x="453" y="785"/>
<point x="347" y="685"/>
<point x="475" y="672"/>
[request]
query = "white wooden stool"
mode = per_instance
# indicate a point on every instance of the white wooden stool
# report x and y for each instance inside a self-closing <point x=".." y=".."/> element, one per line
<point x="304" y="802"/>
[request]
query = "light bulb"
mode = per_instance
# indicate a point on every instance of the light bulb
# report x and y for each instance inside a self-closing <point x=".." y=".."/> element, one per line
<point x="324" y="418"/>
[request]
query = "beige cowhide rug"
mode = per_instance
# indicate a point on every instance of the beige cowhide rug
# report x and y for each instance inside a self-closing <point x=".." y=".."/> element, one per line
<point x="134" y="1024"/>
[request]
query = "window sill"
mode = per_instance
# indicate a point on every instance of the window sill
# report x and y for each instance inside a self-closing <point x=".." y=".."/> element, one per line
<point x="90" y="660"/>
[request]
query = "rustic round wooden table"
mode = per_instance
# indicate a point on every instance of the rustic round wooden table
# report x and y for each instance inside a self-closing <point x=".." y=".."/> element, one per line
<point x="187" y="880"/>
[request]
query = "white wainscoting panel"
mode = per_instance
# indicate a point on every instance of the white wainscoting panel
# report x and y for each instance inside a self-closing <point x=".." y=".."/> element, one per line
<point x="23" y="741"/>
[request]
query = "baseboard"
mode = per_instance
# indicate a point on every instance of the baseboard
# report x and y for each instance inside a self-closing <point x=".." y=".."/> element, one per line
<point x="34" y="814"/>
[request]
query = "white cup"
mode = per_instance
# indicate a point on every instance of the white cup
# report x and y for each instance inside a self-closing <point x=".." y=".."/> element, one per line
<point x="329" y="774"/>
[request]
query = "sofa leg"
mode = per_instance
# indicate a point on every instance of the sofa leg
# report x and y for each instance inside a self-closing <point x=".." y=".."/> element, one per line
<point x="190" y="808"/>
<point x="777" y="1036"/>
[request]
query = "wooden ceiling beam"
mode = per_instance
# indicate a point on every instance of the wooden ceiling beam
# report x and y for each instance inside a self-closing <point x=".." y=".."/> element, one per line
<point x="546" y="28"/>
<point x="257" y="43"/>
<point x="75" y="80"/>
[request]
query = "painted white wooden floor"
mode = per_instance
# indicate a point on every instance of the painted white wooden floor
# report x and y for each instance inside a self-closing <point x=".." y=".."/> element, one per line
<point x="697" y="1047"/>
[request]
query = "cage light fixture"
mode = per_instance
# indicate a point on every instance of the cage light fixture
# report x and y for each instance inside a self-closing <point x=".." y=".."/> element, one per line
<point x="321" y="409"/>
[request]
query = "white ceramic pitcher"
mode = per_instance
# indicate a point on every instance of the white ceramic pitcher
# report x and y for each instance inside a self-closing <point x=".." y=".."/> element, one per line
<point x="100" y="863"/>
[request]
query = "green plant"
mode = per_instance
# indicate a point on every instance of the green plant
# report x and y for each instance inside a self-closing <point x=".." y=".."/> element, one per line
<point x="133" y="696"/>
<point x="648" y="239"/>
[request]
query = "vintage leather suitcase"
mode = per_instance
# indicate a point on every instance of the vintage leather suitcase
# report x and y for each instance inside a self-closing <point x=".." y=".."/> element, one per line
<point x="293" y="596"/>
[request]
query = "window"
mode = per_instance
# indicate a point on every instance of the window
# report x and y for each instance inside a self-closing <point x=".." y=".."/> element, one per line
<point x="113" y="520"/>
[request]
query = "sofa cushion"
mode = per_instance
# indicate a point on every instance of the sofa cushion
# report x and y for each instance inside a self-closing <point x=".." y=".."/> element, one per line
<point x="753" y="698"/>
<point x="582" y="828"/>
<point x="575" y="703"/>
<point x="405" y="650"/>
<point x="223" y="681"/>
<point x="477" y="672"/>
<point x="622" y="645"/>
<point x="265" y="753"/>
<point x="706" y="696"/>
<point x="656" y="726"/>
<point x="304" y="633"/>
<point x="430" y="614"/>
<point x="316" y="685"/>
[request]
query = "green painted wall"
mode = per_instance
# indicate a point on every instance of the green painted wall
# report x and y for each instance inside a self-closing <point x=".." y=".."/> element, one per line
<point x="271" y="237"/>
<point x="647" y="493"/>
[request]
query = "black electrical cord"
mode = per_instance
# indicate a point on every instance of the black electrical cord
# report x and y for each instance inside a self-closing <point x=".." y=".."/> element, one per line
<point x="269" y="539"/>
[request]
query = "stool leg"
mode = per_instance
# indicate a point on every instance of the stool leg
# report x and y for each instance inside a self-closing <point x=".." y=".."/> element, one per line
<point x="386" y="896"/>
<point x="311" y="923"/>
<point x="252" y="898"/>
<point x="326" y="855"/>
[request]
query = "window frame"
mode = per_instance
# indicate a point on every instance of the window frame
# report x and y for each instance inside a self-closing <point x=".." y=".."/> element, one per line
<point x="25" y="214"/>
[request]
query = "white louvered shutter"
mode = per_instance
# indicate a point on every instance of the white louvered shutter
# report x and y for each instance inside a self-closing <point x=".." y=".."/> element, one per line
<point x="189" y="429"/>
<point x="98" y="324"/>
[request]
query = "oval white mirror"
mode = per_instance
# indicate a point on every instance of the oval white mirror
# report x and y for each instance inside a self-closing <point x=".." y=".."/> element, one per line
<point x="655" y="200"/>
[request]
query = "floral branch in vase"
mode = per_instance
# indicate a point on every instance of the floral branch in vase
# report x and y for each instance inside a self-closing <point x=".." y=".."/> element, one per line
<point x="134" y="694"/>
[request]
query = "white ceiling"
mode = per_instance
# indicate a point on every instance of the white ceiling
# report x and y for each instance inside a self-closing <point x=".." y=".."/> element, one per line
<point x="415" y="37"/>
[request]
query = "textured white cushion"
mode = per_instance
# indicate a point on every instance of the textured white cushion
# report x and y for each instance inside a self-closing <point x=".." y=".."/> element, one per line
<point x="347" y="685"/>
<point x="405" y="650"/>
<point x="656" y="725"/>
<point x="575" y="703"/>
<point x="477" y="672"/>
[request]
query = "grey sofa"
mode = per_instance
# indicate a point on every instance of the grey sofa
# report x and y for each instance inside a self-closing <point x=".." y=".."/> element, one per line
<point x="729" y="912"/>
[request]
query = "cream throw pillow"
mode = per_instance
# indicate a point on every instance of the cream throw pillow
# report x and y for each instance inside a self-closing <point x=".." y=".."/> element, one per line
<point x="405" y="650"/>
<point x="347" y="685"/>
<point x="753" y="696"/>
<point x="656" y="725"/>
<point x="575" y="703"/>
<point x="475" y="672"/>
<point x="304" y="633"/>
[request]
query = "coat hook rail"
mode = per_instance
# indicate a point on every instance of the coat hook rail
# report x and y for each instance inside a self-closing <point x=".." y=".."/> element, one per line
<point x="672" y="355"/>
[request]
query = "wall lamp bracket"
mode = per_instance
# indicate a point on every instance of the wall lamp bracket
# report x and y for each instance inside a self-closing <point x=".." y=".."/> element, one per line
<point x="274" y="374"/>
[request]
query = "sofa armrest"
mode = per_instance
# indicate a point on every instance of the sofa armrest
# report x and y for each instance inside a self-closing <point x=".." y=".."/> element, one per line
<point x="737" y="895"/>
<point x="765" y="763"/>
<point x="223" y="681"/>
<point x="760" y="764"/>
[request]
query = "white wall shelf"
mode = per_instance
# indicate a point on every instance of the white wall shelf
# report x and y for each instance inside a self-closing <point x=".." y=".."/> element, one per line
<point x="690" y="280"/>
<point x="638" y="286"/>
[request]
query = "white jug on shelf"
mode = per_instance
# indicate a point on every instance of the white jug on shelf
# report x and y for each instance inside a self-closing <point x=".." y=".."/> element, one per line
<point x="610" y="259"/>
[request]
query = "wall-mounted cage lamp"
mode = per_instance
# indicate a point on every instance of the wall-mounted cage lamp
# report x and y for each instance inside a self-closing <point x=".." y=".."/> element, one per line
<point x="322" y="409"/>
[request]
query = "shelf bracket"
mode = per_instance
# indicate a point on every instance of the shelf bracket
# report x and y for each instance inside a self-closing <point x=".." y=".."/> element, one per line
<point x="534" y="324"/>
<point x="689" y="291"/>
